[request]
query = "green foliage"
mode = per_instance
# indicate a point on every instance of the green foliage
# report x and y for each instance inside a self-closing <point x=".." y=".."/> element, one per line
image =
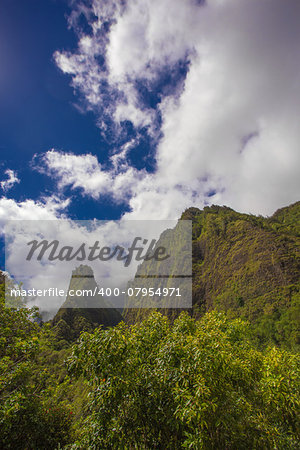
<point x="33" y="414"/>
<point x="248" y="266"/>
<point x="187" y="385"/>
<point x="280" y="325"/>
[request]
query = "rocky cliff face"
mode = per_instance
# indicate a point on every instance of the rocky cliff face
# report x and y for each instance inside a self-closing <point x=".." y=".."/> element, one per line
<point x="83" y="313"/>
<point x="244" y="263"/>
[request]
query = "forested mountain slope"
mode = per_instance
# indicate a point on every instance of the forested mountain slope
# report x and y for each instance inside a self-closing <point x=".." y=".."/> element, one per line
<point x="248" y="266"/>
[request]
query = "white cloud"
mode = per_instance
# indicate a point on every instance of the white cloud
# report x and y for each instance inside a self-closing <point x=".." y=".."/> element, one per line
<point x="11" y="180"/>
<point x="86" y="173"/>
<point x="77" y="171"/>
<point x="24" y="213"/>
<point x="242" y="81"/>
<point x="49" y="208"/>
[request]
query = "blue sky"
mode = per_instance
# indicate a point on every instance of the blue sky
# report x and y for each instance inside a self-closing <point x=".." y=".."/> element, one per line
<point x="138" y="110"/>
<point x="37" y="102"/>
<point x="40" y="110"/>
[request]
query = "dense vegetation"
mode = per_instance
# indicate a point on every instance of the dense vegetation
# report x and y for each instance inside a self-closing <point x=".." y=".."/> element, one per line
<point x="190" y="384"/>
<point x="38" y="400"/>
<point x="221" y="379"/>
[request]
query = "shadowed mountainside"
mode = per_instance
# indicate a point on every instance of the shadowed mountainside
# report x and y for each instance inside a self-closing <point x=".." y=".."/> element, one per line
<point x="83" y="313"/>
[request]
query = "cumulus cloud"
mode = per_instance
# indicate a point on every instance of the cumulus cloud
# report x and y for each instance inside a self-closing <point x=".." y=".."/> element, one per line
<point x="86" y="173"/>
<point x="11" y="180"/>
<point x="77" y="171"/>
<point x="228" y="129"/>
<point x="49" y="208"/>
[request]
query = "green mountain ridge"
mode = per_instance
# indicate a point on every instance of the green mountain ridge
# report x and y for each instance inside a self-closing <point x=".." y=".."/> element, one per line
<point x="247" y="266"/>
